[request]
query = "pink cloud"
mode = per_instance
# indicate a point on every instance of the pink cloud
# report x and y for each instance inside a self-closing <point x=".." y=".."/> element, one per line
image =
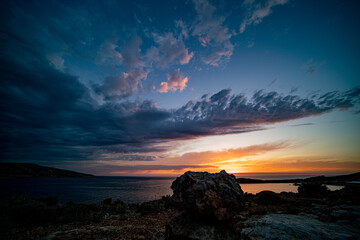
<point x="123" y="85"/>
<point x="176" y="81"/>
<point x="170" y="49"/>
<point x="212" y="32"/>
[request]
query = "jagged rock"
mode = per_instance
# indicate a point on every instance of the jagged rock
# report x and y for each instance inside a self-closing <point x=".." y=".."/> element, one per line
<point x="285" y="226"/>
<point x="269" y="198"/>
<point x="217" y="195"/>
<point x="187" y="227"/>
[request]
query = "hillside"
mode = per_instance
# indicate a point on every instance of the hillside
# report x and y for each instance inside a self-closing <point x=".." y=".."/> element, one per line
<point x="336" y="180"/>
<point x="30" y="170"/>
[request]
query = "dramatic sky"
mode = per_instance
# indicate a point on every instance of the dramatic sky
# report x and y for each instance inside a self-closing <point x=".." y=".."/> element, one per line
<point x="161" y="87"/>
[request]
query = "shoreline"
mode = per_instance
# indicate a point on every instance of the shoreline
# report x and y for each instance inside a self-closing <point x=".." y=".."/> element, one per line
<point x="113" y="219"/>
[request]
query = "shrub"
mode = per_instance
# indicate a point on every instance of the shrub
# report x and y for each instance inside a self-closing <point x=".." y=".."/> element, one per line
<point x="50" y="201"/>
<point x="312" y="189"/>
<point x="107" y="201"/>
<point x="120" y="207"/>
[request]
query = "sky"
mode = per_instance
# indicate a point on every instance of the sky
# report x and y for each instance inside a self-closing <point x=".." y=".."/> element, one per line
<point x="157" y="88"/>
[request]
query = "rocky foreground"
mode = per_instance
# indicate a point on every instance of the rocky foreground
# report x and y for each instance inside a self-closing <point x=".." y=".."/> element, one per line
<point x="203" y="206"/>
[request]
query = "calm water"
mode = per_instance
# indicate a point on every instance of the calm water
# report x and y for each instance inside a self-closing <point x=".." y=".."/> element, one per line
<point x="128" y="189"/>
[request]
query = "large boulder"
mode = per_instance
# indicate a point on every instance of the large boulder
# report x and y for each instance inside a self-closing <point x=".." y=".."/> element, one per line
<point x="217" y="196"/>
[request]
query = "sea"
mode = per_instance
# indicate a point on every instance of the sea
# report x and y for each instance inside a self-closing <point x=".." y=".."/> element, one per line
<point x="127" y="189"/>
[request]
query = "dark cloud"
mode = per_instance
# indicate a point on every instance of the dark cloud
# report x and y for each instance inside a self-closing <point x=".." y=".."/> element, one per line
<point x="47" y="114"/>
<point x="121" y="86"/>
<point x="106" y="169"/>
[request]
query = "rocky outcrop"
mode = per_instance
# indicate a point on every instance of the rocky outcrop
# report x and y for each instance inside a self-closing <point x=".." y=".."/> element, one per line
<point x="209" y="201"/>
<point x="285" y="226"/>
<point x="216" y="196"/>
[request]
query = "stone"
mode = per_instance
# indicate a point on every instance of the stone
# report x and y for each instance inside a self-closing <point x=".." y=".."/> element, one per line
<point x="269" y="198"/>
<point x="216" y="196"/>
<point x="187" y="227"/>
<point x="286" y="226"/>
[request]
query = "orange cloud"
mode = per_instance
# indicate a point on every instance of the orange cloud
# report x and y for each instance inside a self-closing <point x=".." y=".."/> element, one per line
<point x="176" y="81"/>
<point x="304" y="164"/>
<point x="243" y="161"/>
<point x="212" y="157"/>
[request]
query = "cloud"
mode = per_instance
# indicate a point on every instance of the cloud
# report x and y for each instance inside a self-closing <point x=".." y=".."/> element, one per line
<point x="49" y="115"/>
<point x="176" y="81"/>
<point x="301" y="124"/>
<point x="58" y="120"/>
<point x="109" y="54"/>
<point x="211" y="32"/>
<point x="121" y="86"/>
<point x="294" y="90"/>
<point x="131" y="53"/>
<point x="168" y="49"/>
<point x="106" y="155"/>
<point x="136" y="170"/>
<point x="57" y="61"/>
<point x="184" y="28"/>
<point x="256" y="10"/>
<point x="303" y="164"/>
<point x="220" y="158"/>
<point x="273" y="82"/>
<point x="210" y="161"/>
<point x="312" y="66"/>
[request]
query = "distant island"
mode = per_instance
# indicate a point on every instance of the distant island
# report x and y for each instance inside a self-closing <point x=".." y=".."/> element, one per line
<point x="334" y="180"/>
<point x="31" y="170"/>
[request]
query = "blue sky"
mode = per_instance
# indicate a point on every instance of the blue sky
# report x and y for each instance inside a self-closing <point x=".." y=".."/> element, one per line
<point x="137" y="88"/>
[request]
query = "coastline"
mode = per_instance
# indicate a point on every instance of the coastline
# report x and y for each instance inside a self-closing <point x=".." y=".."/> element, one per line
<point x="113" y="219"/>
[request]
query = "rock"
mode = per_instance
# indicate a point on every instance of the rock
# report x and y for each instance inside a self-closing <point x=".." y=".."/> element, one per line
<point x="217" y="195"/>
<point x="269" y="198"/>
<point x="186" y="227"/>
<point x="285" y="226"/>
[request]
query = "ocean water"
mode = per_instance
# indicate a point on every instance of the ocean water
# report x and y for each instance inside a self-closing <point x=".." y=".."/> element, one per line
<point x="128" y="189"/>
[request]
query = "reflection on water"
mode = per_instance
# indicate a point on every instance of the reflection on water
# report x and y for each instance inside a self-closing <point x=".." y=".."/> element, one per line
<point x="128" y="189"/>
<point x="89" y="190"/>
<point x="275" y="187"/>
<point x="334" y="187"/>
